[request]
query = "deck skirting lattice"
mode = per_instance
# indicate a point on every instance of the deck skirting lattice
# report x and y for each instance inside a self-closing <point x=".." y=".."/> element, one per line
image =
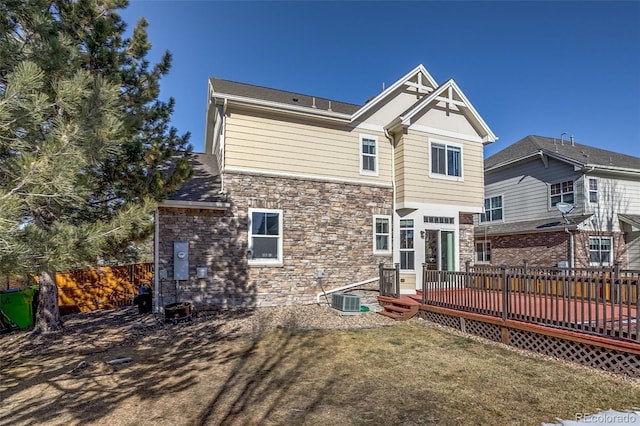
<point x="589" y="355"/>
<point x="442" y="319"/>
<point x="483" y="329"/>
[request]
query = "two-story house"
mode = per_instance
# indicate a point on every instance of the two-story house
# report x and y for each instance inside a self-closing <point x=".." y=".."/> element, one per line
<point x="551" y="200"/>
<point x="297" y="194"/>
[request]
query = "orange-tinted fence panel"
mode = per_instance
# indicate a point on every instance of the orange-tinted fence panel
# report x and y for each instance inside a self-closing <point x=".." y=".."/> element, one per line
<point x="86" y="290"/>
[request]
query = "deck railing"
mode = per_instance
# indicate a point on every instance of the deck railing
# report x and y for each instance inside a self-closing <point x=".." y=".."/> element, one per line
<point x="604" y="301"/>
<point x="389" y="280"/>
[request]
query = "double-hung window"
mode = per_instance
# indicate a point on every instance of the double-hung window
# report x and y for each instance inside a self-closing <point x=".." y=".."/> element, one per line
<point x="599" y="251"/>
<point x="382" y="234"/>
<point x="593" y="190"/>
<point x="446" y="160"/>
<point x="562" y="192"/>
<point x="492" y="209"/>
<point x="407" y="251"/>
<point x="368" y="155"/>
<point x="265" y="236"/>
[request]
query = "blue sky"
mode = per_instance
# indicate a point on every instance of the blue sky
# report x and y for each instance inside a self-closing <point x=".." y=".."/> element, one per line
<point x="539" y="68"/>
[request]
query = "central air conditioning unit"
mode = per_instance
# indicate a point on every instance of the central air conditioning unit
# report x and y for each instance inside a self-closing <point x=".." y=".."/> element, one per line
<point x="345" y="302"/>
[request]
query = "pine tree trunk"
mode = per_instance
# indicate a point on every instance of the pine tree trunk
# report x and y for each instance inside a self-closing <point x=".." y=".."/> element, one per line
<point x="48" y="315"/>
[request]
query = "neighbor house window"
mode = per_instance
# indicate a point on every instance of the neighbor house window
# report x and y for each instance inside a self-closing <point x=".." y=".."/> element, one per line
<point x="446" y="160"/>
<point x="382" y="234"/>
<point x="600" y="250"/>
<point x="483" y="251"/>
<point x="368" y="155"/>
<point x="562" y="192"/>
<point x="407" y="251"/>
<point x="492" y="209"/>
<point x="593" y="190"/>
<point x="265" y="236"/>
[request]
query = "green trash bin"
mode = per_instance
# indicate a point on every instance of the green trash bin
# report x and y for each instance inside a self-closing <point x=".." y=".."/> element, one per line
<point x="17" y="305"/>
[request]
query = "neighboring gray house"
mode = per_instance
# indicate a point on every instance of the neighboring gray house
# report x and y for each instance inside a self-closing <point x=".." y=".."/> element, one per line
<point x="527" y="182"/>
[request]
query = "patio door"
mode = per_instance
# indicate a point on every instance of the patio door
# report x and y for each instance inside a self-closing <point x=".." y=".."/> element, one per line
<point x="439" y="249"/>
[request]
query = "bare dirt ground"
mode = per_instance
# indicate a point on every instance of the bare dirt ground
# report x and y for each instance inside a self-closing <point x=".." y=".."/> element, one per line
<point x="273" y="366"/>
<point x="65" y="378"/>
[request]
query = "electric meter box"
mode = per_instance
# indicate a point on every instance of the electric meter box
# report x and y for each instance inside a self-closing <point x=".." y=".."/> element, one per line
<point x="180" y="260"/>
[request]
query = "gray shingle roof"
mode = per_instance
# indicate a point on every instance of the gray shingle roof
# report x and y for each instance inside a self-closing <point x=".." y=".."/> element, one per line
<point x="530" y="226"/>
<point x="581" y="154"/>
<point x="204" y="185"/>
<point x="633" y="219"/>
<point x="227" y="87"/>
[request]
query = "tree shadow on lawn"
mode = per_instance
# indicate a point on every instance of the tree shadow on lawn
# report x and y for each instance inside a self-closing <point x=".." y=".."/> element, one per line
<point x="66" y="379"/>
<point x="186" y="374"/>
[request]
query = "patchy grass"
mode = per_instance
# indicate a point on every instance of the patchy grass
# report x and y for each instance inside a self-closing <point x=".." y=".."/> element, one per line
<point x="409" y="373"/>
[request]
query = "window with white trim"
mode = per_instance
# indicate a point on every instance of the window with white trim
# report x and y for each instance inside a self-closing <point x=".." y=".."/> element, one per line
<point x="492" y="209"/>
<point x="483" y="251"/>
<point x="600" y="251"/>
<point x="265" y="236"/>
<point x="382" y="234"/>
<point x="561" y="192"/>
<point x="593" y="190"/>
<point x="446" y="160"/>
<point x="407" y="251"/>
<point x="368" y="155"/>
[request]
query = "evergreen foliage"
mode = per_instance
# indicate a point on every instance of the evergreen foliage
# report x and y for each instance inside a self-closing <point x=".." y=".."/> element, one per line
<point x="84" y="139"/>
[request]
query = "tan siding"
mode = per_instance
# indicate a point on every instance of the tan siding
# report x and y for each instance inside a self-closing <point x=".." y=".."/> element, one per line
<point x="419" y="187"/>
<point x="455" y="121"/>
<point x="399" y="169"/>
<point x="409" y="281"/>
<point x="270" y="143"/>
<point x="393" y="108"/>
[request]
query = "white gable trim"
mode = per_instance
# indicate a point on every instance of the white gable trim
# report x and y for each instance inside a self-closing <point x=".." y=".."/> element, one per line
<point x="450" y="86"/>
<point x="419" y="69"/>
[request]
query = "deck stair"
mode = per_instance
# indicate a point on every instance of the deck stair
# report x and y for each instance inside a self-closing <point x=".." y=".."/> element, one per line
<point x="400" y="309"/>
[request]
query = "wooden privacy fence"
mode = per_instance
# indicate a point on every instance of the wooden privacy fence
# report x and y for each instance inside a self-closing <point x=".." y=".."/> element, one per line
<point x="86" y="290"/>
<point x="603" y="301"/>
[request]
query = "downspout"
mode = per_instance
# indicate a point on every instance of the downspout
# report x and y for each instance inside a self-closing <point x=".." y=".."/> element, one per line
<point x="571" y="258"/>
<point x="223" y="124"/>
<point x="393" y="183"/>
<point x="156" y="261"/>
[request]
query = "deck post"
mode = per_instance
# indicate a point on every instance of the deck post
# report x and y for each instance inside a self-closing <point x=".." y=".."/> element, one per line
<point x="397" y="279"/>
<point x="505" y="292"/>
<point x="381" y="279"/>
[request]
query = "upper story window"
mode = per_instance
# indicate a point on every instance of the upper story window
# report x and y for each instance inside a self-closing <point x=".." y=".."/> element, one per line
<point x="368" y="155"/>
<point x="562" y="192"/>
<point x="382" y="234"/>
<point x="492" y="209"/>
<point x="446" y="160"/>
<point x="265" y="236"/>
<point x="593" y="190"/>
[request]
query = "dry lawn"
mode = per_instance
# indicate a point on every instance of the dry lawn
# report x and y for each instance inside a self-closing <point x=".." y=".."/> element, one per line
<point x="409" y="373"/>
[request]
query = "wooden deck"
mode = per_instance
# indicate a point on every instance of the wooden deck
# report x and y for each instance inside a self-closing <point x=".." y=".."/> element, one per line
<point x="607" y="319"/>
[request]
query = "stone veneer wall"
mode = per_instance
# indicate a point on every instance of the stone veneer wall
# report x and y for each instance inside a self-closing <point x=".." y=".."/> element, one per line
<point x="214" y="243"/>
<point x="326" y="226"/>
<point x="467" y="243"/>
